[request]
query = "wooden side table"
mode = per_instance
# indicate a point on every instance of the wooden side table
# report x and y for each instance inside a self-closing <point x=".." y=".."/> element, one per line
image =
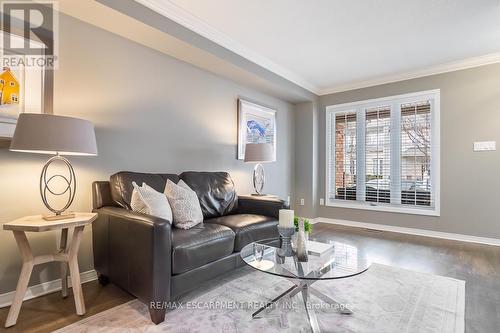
<point x="67" y="256"/>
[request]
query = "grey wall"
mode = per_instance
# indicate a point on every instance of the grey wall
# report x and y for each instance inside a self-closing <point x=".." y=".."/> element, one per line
<point x="470" y="111"/>
<point x="305" y="158"/>
<point x="152" y="113"/>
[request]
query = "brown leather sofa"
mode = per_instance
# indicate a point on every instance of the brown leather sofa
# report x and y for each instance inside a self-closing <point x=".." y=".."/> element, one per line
<point x="156" y="262"/>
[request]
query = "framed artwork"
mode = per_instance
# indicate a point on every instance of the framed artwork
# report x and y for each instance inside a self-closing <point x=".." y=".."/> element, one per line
<point x="256" y="124"/>
<point x="21" y="90"/>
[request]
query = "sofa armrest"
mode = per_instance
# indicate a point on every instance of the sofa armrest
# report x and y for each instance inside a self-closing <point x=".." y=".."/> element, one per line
<point x="134" y="251"/>
<point x="262" y="205"/>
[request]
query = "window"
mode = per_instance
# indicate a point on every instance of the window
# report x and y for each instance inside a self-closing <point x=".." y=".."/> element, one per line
<point x="383" y="154"/>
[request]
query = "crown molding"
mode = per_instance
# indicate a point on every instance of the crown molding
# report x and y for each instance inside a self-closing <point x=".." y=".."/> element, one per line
<point x="487" y="59"/>
<point x="181" y="16"/>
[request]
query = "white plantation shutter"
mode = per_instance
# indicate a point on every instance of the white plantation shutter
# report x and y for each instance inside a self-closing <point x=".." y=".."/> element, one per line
<point x="416" y="153"/>
<point x="342" y="164"/>
<point x="377" y="153"/>
<point x="383" y="154"/>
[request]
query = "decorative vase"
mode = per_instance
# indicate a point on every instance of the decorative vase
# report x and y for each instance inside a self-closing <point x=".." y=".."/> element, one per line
<point x="294" y="239"/>
<point x="301" y="243"/>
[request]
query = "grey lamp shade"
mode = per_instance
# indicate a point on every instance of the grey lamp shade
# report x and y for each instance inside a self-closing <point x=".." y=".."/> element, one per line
<point x="50" y="134"/>
<point x="259" y="152"/>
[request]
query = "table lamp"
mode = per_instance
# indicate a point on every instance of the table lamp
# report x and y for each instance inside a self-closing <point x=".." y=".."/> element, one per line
<point x="55" y="135"/>
<point x="259" y="153"/>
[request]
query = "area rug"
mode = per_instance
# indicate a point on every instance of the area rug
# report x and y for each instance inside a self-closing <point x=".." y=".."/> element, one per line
<point x="384" y="299"/>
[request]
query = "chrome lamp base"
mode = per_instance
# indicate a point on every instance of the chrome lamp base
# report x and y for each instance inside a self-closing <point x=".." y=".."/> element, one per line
<point x="68" y="189"/>
<point x="259" y="179"/>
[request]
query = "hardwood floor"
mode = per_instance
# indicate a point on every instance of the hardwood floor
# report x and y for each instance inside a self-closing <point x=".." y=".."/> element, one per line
<point x="51" y="312"/>
<point x="478" y="265"/>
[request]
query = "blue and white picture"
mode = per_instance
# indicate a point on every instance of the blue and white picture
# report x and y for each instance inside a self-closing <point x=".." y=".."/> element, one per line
<point x="256" y="124"/>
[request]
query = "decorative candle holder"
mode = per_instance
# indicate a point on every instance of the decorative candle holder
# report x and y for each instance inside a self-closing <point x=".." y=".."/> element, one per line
<point x="286" y="241"/>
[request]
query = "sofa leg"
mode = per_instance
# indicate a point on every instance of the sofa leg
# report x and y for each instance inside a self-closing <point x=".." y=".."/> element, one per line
<point x="103" y="279"/>
<point x="157" y="315"/>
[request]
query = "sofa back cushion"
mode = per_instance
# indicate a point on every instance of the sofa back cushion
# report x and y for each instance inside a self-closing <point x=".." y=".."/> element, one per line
<point x="215" y="190"/>
<point x="121" y="184"/>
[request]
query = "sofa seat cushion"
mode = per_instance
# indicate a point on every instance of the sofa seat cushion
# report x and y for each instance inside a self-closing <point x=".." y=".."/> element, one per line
<point x="200" y="245"/>
<point x="248" y="227"/>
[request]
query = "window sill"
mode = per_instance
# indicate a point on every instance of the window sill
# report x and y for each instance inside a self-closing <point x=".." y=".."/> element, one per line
<point x="385" y="208"/>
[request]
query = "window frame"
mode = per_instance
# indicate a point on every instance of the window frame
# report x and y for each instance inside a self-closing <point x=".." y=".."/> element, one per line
<point x="395" y="102"/>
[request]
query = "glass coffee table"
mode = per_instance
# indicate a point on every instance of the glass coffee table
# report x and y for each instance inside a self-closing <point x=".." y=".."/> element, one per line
<point x="342" y="261"/>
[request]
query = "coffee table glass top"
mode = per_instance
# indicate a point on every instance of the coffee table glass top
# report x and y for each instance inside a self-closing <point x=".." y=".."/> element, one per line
<point x="342" y="261"/>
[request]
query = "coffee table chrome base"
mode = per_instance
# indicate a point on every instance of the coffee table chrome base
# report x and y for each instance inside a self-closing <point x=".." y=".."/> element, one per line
<point x="304" y="288"/>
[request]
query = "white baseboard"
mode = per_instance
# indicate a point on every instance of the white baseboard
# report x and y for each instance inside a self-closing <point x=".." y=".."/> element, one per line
<point x="45" y="288"/>
<point x="412" y="231"/>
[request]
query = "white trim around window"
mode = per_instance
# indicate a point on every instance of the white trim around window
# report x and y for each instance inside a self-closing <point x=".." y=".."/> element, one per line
<point x="395" y="103"/>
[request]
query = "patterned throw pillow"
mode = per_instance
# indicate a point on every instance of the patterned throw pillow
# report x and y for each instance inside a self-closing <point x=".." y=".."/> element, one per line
<point x="147" y="200"/>
<point x="185" y="205"/>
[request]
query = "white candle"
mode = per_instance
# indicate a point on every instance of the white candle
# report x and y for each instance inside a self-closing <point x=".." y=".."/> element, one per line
<point x="286" y="218"/>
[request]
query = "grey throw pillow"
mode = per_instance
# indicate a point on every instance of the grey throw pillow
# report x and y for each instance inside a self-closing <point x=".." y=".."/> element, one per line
<point x="185" y="205"/>
<point x="147" y="200"/>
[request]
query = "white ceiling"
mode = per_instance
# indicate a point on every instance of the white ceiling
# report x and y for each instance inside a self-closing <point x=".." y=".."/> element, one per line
<point x="333" y="45"/>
